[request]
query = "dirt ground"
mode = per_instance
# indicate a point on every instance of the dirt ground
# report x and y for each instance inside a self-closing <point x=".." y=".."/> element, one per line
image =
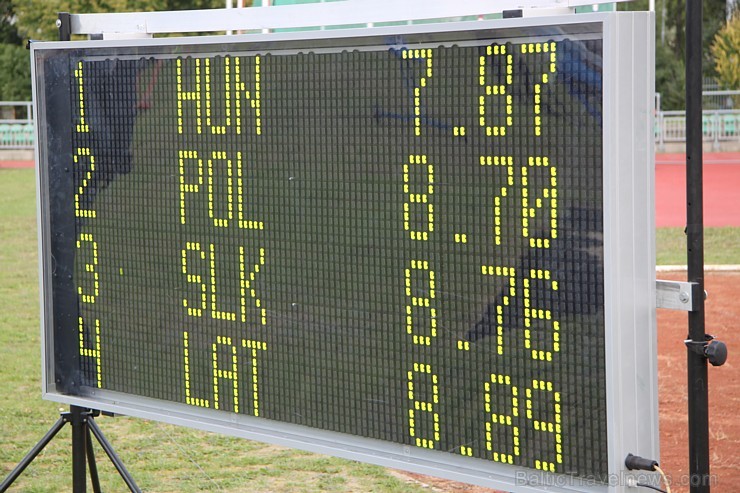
<point x="722" y="313"/>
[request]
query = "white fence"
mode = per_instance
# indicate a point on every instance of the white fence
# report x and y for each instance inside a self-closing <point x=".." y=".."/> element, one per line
<point x="16" y="125"/>
<point x="718" y="126"/>
<point x="720" y="120"/>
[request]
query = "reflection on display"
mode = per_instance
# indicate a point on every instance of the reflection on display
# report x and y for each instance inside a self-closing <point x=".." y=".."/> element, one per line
<point x="402" y="243"/>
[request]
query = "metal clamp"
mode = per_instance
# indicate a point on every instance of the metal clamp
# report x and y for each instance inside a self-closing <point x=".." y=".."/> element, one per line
<point x="715" y="351"/>
<point x="677" y="295"/>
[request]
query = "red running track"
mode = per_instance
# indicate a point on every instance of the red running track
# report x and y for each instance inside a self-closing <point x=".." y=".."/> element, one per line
<point x="721" y="188"/>
<point x="16" y="164"/>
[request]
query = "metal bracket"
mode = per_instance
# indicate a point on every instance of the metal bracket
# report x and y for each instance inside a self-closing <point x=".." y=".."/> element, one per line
<point x="341" y="13"/>
<point x="676" y="295"/>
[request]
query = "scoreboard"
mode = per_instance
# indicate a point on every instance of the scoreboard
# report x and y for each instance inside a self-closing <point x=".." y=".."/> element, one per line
<point x="427" y="247"/>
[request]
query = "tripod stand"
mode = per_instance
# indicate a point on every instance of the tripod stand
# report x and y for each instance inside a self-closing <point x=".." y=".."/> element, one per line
<point x="83" y="427"/>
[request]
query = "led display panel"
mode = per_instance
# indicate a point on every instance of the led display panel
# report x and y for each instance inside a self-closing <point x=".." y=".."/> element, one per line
<point x="398" y="238"/>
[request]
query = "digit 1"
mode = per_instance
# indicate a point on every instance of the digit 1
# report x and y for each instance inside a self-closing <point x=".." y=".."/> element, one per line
<point x="82" y="127"/>
<point x="531" y="313"/>
<point x="508" y="163"/>
<point x="495" y="89"/>
<point x="531" y="203"/>
<point x="501" y="418"/>
<point x="543" y="426"/>
<point x="420" y="407"/>
<point x="551" y="48"/>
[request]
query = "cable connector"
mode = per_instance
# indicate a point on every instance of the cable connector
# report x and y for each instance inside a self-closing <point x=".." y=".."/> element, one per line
<point x="633" y="462"/>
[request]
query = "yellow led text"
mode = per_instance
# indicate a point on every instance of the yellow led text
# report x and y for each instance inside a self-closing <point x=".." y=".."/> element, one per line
<point x="199" y="265"/>
<point x="196" y="96"/>
<point x="421" y="408"/>
<point x="232" y="362"/>
<point x="423" y="302"/>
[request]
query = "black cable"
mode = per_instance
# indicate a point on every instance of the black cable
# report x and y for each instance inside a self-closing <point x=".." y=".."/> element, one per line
<point x="651" y="487"/>
<point x="633" y="462"/>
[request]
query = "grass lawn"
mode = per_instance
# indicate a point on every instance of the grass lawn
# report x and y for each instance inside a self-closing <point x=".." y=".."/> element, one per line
<point x="721" y="246"/>
<point x="161" y="457"/>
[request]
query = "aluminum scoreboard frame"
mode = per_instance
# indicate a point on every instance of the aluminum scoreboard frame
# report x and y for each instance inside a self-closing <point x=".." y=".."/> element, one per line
<point x="99" y="188"/>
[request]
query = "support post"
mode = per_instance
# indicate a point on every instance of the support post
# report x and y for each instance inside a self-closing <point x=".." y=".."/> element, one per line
<point x="79" y="449"/>
<point x="698" y="396"/>
<point x="64" y="23"/>
<point x="83" y="428"/>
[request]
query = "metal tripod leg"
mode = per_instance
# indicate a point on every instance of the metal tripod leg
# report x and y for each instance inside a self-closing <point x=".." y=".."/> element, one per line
<point x="93" y="427"/>
<point x="83" y="425"/>
<point x="94" y="478"/>
<point x="36" y="450"/>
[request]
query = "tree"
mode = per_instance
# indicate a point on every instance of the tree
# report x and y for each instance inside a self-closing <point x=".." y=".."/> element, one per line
<point x="8" y="31"/>
<point x="670" y="78"/>
<point x="15" y="78"/>
<point x="714" y="17"/>
<point x="726" y="52"/>
<point x="37" y="18"/>
<point x="670" y="52"/>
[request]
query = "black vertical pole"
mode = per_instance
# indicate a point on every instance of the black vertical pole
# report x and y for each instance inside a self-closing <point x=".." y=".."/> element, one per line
<point x="697" y="364"/>
<point x="79" y="449"/>
<point x="65" y="26"/>
<point x="78" y="416"/>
